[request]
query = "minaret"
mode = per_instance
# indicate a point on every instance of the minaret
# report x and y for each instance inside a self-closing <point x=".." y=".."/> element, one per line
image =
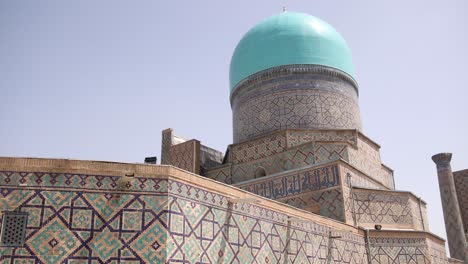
<point x="453" y="222"/>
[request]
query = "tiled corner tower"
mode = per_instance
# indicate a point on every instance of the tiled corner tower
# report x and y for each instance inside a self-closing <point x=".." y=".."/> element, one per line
<point x="301" y="183"/>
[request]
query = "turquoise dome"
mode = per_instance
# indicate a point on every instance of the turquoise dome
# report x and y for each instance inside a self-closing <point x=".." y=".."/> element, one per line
<point x="289" y="38"/>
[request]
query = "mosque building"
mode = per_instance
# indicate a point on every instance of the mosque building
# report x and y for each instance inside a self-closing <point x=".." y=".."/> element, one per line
<point x="301" y="182"/>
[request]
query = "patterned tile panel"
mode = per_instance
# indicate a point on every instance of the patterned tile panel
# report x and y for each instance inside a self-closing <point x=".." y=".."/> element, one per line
<point x="296" y="157"/>
<point x="299" y="137"/>
<point x="437" y="252"/>
<point x="328" y="203"/>
<point x="391" y="209"/>
<point x="177" y="222"/>
<point x="292" y="158"/>
<point x="97" y="225"/>
<point x="186" y="156"/>
<point x="461" y="185"/>
<point x="308" y="109"/>
<point x="166" y="143"/>
<point x="80" y="181"/>
<point x="206" y="228"/>
<point x="358" y="179"/>
<point x="397" y="250"/>
<point x="367" y="159"/>
<point x="304" y="100"/>
<point x="294" y="183"/>
<point x="221" y="174"/>
<point x="259" y="148"/>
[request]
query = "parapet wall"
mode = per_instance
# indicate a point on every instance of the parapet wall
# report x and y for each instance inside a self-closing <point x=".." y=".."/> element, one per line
<point x="84" y="211"/>
<point x="391" y="209"/>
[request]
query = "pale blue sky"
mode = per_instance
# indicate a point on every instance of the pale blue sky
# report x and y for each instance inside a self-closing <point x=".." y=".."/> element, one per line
<point x="99" y="80"/>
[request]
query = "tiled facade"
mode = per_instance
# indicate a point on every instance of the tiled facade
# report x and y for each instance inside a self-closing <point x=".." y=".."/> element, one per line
<point x="292" y="149"/>
<point x="301" y="183"/>
<point x="80" y="213"/>
<point x="391" y="209"/>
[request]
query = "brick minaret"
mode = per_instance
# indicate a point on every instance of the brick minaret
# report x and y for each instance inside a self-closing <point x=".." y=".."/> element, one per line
<point x="453" y="222"/>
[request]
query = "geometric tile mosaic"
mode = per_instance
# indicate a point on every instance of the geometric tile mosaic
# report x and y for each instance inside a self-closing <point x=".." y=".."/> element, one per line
<point x="273" y="101"/>
<point x="164" y="221"/>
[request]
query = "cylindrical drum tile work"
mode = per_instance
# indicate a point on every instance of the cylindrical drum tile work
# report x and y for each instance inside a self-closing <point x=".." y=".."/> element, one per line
<point x="294" y="97"/>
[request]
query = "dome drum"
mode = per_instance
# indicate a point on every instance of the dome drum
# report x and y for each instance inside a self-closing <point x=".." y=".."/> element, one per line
<point x="294" y="97"/>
